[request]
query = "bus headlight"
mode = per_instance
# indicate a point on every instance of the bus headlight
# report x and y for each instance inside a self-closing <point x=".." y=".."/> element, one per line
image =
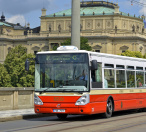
<point x="83" y="100"/>
<point x="37" y="100"/>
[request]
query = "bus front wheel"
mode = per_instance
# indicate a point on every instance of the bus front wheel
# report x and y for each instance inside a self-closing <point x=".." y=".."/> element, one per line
<point x="62" y="116"/>
<point x="109" y="109"/>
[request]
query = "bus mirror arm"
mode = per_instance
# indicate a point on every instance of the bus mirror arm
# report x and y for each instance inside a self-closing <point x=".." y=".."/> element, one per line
<point x="94" y="65"/>
<point x="27" y="63"/>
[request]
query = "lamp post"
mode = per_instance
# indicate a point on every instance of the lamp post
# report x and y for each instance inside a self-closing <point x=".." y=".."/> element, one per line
<point x="75" y="22"/>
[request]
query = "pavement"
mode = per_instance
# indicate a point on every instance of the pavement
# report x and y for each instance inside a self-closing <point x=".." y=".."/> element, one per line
<point x="10" y="115"/>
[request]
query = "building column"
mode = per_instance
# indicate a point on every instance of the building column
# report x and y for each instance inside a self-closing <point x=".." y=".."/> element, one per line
<point x="5" y="51"/>
<point x="136" y="47"/>
<point x="112" y="48"/>
<point x="93" y="25"/>
<point x="15" y="99"/>
<point x="84" y="24"/>
<point x="28" y="48"/>
<point x="133" y="47"/>
<point x="115" y="49"/>
<point x="64" y="23"/>
<point x="50" y="47"/>
<point x="104" y="24"/>
<point x="55" y="25"/>
<point x="59" y="43"/>
<point x="2" y="54"/>
<point x="106" y="48"/>
<point x="144" y="48"/>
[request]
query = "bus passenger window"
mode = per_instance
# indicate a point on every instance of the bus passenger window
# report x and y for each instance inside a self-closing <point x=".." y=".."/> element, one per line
<point x="96" y="77"/>
<point x="130" y="79"/>
<point x="120" y="79"/>
<point x="140" y="79"/>
<point x="109" y="77"/>
<point x="145" y="80"/>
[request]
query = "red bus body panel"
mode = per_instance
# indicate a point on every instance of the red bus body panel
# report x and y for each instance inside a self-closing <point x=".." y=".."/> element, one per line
<point x="97" y="103"/>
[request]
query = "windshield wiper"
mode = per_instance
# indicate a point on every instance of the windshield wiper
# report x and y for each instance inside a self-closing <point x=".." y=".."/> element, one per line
<point x="70" y="90"/>
<point x="67" y="90"/>
<point x="44" y="90"/>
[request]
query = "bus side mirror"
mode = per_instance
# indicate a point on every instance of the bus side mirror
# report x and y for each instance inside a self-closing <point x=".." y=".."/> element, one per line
<point x="94" y="65"/>
<point x="27" y="65"/>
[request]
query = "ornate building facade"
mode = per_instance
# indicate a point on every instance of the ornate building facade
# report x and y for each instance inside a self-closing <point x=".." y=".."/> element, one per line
<point x="108" y="30"/>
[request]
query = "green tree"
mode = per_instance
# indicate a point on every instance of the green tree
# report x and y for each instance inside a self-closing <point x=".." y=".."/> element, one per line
<point x="136" y="54"/>
<point x="144" y="56"/>
<point x="5" y="80"/>
<point x="83" y="44"/>
<point x="15" y="66"/>
<point x="55" y="47"/>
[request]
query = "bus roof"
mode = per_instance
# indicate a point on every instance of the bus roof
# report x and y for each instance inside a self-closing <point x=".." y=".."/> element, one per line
<point x="94" y="53"/>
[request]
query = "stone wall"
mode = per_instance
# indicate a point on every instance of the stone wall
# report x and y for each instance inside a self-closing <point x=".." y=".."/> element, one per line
<point x="16" y="98"/>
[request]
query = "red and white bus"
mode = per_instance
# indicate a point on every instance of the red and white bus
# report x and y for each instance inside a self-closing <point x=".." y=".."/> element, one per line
<point x="72" y="81"/>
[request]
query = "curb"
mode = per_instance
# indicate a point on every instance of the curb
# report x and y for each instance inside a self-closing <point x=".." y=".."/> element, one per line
<point x="21" y="117"/>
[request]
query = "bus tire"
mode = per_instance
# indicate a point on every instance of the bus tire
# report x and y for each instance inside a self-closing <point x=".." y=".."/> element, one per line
<point x="143" y="109"/>
<point x="109" y="109"/>
<point x="62" y="116"/>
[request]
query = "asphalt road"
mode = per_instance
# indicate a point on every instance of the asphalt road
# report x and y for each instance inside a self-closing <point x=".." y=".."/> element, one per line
<point x="127" y="121"/>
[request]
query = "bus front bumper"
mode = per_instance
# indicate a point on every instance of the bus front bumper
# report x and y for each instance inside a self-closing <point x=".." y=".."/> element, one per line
<point x="63" y="108"/>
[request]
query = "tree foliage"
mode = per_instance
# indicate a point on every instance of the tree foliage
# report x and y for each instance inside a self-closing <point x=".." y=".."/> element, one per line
<point x="55" y="47"/>
<point x="136" y="54"/>
<point x="15" y="66"/>
<point x="5" y="80"/>
<point x="144" y="56"/>
<point x="83" y="44"/>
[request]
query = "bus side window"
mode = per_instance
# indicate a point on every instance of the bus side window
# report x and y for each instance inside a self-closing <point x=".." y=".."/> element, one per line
<point x="97" y="77"/>
<point x="139" y="79"/>
<point x="109" y="76"/>
<point x="130" y="79"/>
<point x="145" y="80"/>
<point x="93" y="76"/>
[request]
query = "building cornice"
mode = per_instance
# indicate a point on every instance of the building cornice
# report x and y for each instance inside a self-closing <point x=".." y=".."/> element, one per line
<point x="65" y="37"/>
<point x="87" y="16"/>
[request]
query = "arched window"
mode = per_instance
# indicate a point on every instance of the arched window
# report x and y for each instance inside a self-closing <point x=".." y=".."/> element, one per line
<point x="124" y="48"/>
<point x="45" y="48"/>
<point x="35" y="49"/>
<point x="97" y="48"/>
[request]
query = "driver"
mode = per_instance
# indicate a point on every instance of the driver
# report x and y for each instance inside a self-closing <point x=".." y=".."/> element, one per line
<point x="83" y="76"/>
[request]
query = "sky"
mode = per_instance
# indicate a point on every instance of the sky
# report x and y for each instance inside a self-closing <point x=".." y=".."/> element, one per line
<point x="29" y="11"/>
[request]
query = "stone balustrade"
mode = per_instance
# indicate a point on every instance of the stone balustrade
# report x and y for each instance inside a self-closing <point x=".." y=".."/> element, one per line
<point x="16" y="98"/>
<point x="68" y="34"/>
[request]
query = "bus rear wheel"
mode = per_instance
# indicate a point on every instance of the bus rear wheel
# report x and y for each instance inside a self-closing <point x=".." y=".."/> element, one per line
<point x="109" y="109"/>
<point x="62" y="116"/>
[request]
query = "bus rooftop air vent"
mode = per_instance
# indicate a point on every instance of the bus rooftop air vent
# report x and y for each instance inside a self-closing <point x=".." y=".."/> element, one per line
<point x="67" y="48"/>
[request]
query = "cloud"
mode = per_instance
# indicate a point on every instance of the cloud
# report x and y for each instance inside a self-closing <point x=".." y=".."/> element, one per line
<point x="17" y="19"/>
<point x="14" y="7"/>
<point x="126" y="5"/>
<point x="143" y="9"/>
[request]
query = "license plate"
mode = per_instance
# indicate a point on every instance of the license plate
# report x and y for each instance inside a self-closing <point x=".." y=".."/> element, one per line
<point x="58" y="110"/>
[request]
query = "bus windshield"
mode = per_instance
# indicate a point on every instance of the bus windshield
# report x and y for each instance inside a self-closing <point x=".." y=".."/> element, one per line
<point x="62" y="72"/>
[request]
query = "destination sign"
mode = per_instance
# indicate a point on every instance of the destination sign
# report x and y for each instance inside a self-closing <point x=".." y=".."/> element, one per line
<point x="59" y="58"/>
